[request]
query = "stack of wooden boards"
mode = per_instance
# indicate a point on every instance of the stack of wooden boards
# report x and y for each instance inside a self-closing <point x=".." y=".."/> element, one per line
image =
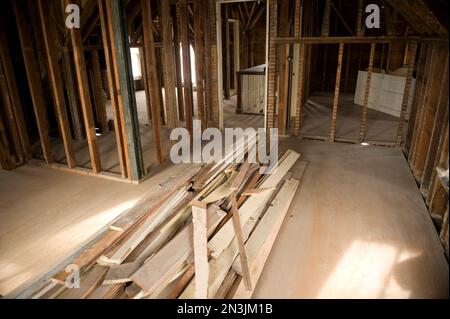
<point x="206" y="234"/>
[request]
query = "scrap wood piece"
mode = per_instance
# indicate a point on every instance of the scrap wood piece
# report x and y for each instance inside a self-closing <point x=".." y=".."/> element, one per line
<point x="87" y="284"/>
<point x="218" y="267"/>
<point x="226" y="284"/>
<point x="200" y="249"/>
<point x="167" y="261"/>
<point x="223" y="190"/>
<point x="240" y="240"/>
<point x="253" y="205"/>
<point x="148" y="226"/>
<point x="261" y="241"/>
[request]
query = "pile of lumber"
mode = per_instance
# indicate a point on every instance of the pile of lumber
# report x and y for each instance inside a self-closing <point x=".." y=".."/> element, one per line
<point x="206" y="234"/>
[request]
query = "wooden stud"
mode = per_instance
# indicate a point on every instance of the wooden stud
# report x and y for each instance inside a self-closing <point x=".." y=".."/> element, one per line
<point x="86" y="105"/>
<point x="359" y="18"/>
<point x="199" y="60"/>
<point x="405" y="101"/>
<point x="15" y="114"/>
<point x="152" y="79"/>
<point x="187" y="78"/>
<point x="112" y="87"/>
<point x="283" y="92"/>
<point x="271" y="66"/>
<point x="300" y="90"/>
<point x="207" y="60"/>
<point x="33" y="75"/>
<point x="169" y="71"/>
<point x="51" y="49"/>
<point x="5" y="156"/>
<point x="98" y="92"/>
<point x="336" y="92"/>
<point x="362" y="130"/>
<point x="326" y="19"/>
<point x="178" y="65"/>
<point x="125" y="89"/>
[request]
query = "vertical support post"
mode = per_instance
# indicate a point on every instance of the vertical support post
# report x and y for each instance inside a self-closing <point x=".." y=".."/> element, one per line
<point x="271" y="67"/>
<point x="405" y="101"/>
<point x="217" y="59"/>
<point x="326" y="19"/>
<point x="118" y="128"/>
<point x="200" y="249"/>
<point x="226" y="53"/>
<point x="86" y="105"/>
<point x="347" y="67"/>
<point x="199" y="60"/>
<point x="169" y="72"/>
<point x="98" y="92"/>
<point x="207" y="60"/>
<point x="336" y="92"/>
<point x="362" y="130"/>
<point x="51" y="49"/>
<point x="359" y="16"/>
<point x="70" y="85"/>
<point x="178" y="66"/>
<point x="15" y="114"/>
<point x="124" y="88"/>
<point x="152" y="78"/>
<point x="33" y="75"/>
<point x="187" y="78"/>
<point x="300" y="90"/>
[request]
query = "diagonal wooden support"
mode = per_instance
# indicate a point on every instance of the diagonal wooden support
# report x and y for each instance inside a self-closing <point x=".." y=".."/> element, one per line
<point x="238" y="226"/>
<point x="200" y="249"/>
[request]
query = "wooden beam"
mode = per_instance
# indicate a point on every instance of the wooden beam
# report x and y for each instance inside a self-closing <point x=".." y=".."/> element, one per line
<point x="51" y="49"/>
<point x="326" y="19"/>
<point x="187" y="78"/>
<point x="271" y="67"/>
<point x="199" y="60"/>
<point x="152" y="79"/>
<point x="33" y="75"/>
<point x="15" y="114"/>
<point x="178" y="65"/>
<point x="362" y="129"/>
<point x="405" y="101"/>
<point x="300" y="90"/>
<point x="86" y="105"/>
<point x="336" y="92"/>
<point x="107" y="48"/>
<point x="283" y="58"/>
<point x="98" y="92"/>
<point x="226" y="63"/>
<point x="362" y="39"/>
<point x="125" y="89"/>
<point x="169" y="62"/>
<point x="359" y="17"/>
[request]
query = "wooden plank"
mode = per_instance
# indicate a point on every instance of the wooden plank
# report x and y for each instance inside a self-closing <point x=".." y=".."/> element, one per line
<point x="362" y="129"/>
<point x="10" y="80"/>
<point x="125" y="89"/>
<point x="405" y="101"/>
<point x="200" y="249"/>
<point x="169" y="59"/>
<point x="199" y="60"/>
<point x="165" y="263"/>
<point x="207" y="59"/>
<point x="5" y="156"/>
<point x="152" y="80"/>
<point x="187" y="78"/>
<point x="253" y="205"/>
<point x="98" y="92"/>
<point x="86" y="105"/>
<point x="284" y="76"/>
<point x="336" y="93"/>
<point x="33" y="76"/>
<point x="263" y="237"/>
<point x="51" y="48"/>
<point x="106" y="39"/>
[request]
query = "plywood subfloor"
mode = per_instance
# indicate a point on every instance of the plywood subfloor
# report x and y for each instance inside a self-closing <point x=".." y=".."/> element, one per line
<point x="357" y="228"/>
<point x="46" y="215"/>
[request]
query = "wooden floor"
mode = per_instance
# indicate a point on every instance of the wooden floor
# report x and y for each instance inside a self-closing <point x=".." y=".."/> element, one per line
<point x="46" y="215"/>
<point x="357" y="228"/>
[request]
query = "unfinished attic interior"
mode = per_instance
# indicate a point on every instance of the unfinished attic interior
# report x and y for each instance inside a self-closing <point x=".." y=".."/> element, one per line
<point x="349" y="99"/>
